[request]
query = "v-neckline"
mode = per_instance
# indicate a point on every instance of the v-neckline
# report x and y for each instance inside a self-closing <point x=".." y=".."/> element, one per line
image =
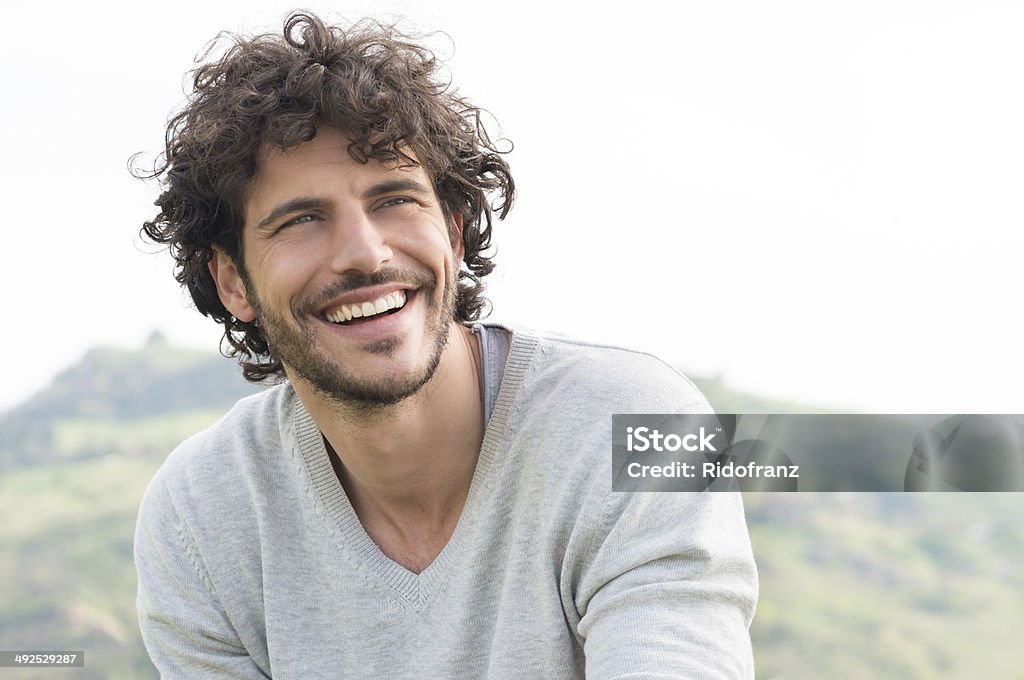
<point x="413" y="590"/>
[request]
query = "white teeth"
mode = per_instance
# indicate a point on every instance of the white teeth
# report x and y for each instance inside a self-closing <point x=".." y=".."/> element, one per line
<point x="395" y="300"/>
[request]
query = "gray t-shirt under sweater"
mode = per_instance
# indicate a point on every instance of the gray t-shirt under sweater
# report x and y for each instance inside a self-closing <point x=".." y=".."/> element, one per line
<point x="253" y="564"/>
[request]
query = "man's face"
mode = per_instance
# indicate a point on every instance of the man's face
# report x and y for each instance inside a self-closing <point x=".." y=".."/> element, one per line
<point x="348" y="270"/>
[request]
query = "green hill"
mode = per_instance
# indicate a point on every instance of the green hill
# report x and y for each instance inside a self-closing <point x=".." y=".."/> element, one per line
<point x="116" y="401"/>
<point x="75" y="459"/>
<point x="888" y="585"/>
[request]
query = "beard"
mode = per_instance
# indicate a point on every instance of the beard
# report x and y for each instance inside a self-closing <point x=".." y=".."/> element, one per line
<point x="297" y="348"/>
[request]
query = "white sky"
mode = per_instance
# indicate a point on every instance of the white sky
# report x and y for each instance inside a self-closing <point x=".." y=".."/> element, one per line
<point x="820" y="201"/>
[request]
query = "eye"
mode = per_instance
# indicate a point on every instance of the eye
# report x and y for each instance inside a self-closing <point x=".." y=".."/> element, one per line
<point x="396" y="201"/>
<point x="301" y="219"/>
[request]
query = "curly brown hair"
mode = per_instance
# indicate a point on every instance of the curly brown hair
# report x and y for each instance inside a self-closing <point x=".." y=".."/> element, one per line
<point x="368" y="80"/>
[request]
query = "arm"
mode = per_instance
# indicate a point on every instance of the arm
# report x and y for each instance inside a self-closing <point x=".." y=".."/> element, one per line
<point x="669" y="588"/>
<point x="185" y="629"/>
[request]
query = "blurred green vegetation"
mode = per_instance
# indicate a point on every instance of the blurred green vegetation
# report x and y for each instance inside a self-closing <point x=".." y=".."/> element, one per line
<point x="74" y="462"/>
<point x="66" y="564"/>
<point x="853" y="585"/>
<point x="140" y="402"/>
<point x="889" y="585"/>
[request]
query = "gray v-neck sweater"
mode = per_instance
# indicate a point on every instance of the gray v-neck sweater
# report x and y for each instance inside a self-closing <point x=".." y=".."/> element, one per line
<point x="253" y="564"/>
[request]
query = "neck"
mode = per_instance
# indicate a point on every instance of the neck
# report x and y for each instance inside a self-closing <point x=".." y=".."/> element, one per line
<point x="409" y="466"/>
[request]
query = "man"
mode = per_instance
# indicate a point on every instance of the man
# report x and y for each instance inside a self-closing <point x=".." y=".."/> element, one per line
<point x="422" y="496"/>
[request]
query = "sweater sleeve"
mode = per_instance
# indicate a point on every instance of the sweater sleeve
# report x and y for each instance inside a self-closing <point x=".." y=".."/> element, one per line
<point x="185" y="629"/>
<point x="668" y="588"/>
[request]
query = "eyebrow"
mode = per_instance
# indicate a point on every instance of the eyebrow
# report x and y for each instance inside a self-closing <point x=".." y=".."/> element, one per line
<point x="395" y="185"/>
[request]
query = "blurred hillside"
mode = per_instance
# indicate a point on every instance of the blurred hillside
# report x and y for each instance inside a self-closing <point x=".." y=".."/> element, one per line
<point x="852" y="585"/>
<point x="74" y="461"/>
<point x="116" y="401"/>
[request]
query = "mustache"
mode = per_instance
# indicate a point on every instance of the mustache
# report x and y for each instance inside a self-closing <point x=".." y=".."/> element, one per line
<point x="357" y="280"/>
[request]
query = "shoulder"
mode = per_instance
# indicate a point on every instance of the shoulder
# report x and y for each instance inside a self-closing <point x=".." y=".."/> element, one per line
<point x="219" y="463"/>
<point x="620" y="379"/>
<point x="553" y="418"/>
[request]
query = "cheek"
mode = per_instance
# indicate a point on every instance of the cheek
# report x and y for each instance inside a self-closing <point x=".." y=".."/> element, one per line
<point x="280" y="285"/>
<point x="430" y="247"/>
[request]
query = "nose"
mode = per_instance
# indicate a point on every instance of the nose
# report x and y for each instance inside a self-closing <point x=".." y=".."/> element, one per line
<point x="359" y="245"/>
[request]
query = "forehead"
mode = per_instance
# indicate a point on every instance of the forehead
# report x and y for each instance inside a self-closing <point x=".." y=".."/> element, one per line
<point x="321" y="165"/>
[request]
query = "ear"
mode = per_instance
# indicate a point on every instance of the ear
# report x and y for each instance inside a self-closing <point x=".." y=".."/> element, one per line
<point x="230" y="287"/>
<point x="458" y="247"/>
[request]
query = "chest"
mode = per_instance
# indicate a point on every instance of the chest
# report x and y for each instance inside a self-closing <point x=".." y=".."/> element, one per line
<point x="415" y="546"/>
<point x="468" y="613"/>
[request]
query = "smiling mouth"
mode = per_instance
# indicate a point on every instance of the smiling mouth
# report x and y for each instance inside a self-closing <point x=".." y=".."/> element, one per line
<point x="358" y="312"/>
